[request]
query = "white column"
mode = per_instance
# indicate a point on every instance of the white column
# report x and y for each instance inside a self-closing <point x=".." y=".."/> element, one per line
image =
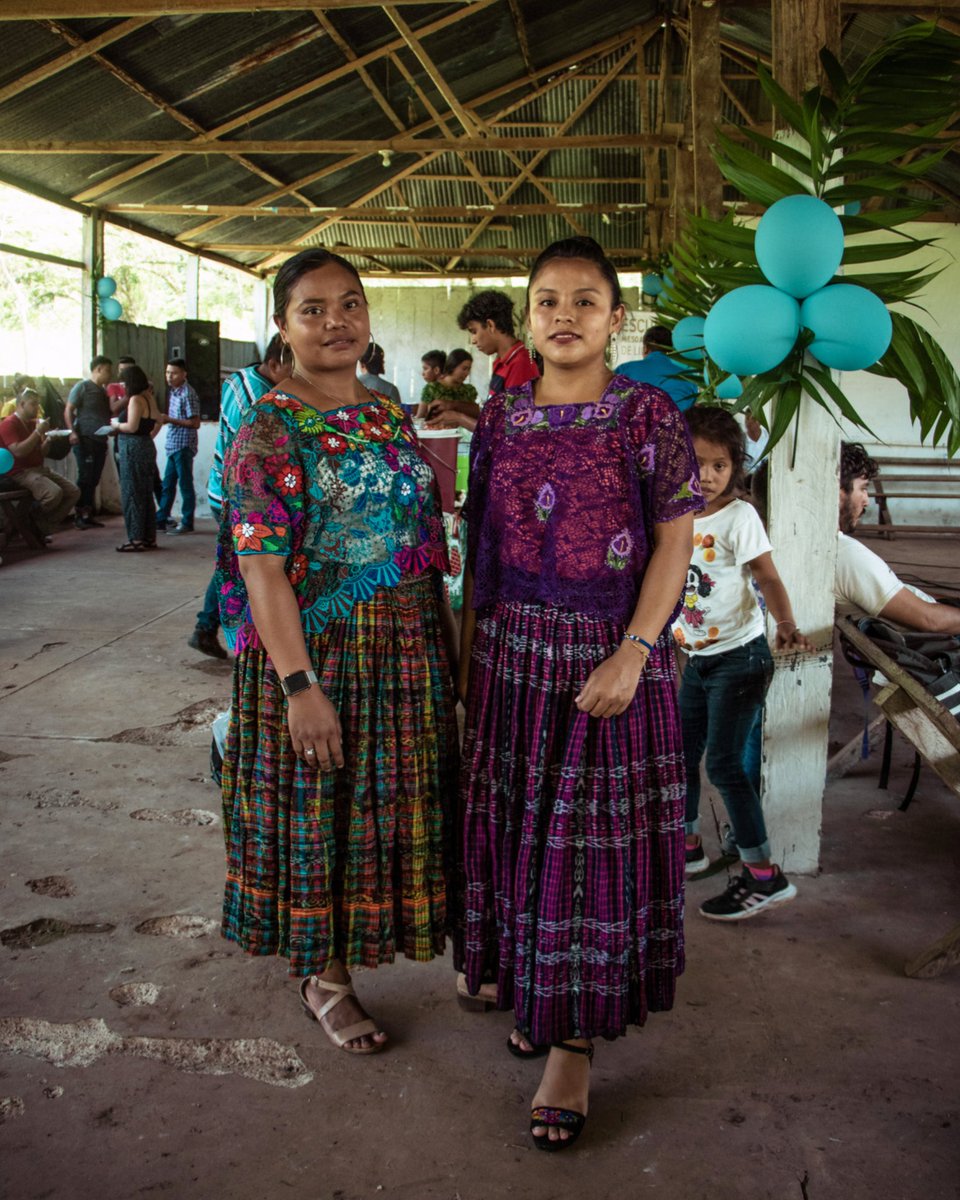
<point x="92" y="269"/>
<point x="802" y="506"/>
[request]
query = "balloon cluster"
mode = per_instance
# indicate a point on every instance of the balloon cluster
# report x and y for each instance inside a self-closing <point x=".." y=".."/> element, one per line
<point x="799" y="247"/>
<point x="110" y="307"/>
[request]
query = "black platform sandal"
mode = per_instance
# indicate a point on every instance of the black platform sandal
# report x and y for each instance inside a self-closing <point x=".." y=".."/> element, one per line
<point x="519" y="1052"/>
<point x="559" y="1118"/>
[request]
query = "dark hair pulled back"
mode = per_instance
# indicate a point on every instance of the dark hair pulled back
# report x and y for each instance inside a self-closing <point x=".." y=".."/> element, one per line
<point x="455" y="359"/>
<point x="584" y="248"/>
<point x="301" y="264"/>
<point x="134" y="379"/>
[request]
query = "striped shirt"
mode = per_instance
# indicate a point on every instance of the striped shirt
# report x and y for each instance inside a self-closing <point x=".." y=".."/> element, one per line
<point x="238" y="394"/>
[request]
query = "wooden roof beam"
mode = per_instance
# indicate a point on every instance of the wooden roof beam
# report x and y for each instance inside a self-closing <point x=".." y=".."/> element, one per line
<point x="158" y="102"/>
<point x="523" y="41"/>
<point x="351" y="56"/>
<point x="400" y="144"/>
<point x="433" y="73"/>
<point x="395" y="251"/>
<point x="34" y="10"/>
<point x="80" y="51"/>
<point x="398" y="212"/>
<point x="282" y="101"/>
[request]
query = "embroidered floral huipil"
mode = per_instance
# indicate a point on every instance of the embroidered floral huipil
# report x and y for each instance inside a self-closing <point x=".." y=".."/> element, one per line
<point x="563" y="499"/>
<point x="344" y="496"/>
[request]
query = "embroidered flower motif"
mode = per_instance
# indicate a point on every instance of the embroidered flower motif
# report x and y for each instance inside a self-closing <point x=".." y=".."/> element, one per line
<point x="333" y="443"/>
<point x="344" y="420"/>
<point x="647" y="458"/>
<point x="602" y="409"/>
<point x="391" y="457"/>
<point x="249" y="535"/>
<point x="545" y="501"/>
<point x="297" y="570"/>
<point x="527" y="415"/>
<point x="619" y="550"/>
<point x="376" y="432"/>
<point x="288" y="479"/>
<point x="404" y="490"/>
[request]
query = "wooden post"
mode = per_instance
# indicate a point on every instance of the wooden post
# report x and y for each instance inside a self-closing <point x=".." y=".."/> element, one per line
<point x="803" y="499"/>
<point x="263" y="326"/>
<point x="192" y="299"/>
<point x="705" y="113"/>
<point x="92" y="269"/>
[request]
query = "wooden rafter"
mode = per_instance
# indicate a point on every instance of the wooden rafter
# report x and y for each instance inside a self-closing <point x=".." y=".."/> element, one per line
<point x="531" y="166"/>
<point x="401" y="251"/>
<point x="62" y="62"/>
<point x="434" y="74"/>
<point x="520" y="26"/>
<point x="397" y="212"/>
<point x="158" y="102"/>
<point x="282" y="101"/>
<point x="351" y="56"/>
<point x="33" y="10"/>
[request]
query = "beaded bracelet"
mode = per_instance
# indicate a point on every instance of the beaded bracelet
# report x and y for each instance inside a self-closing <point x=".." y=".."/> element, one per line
<point x="639" y="641"/>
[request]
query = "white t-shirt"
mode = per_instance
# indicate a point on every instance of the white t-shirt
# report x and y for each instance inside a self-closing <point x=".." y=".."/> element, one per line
<point x="720" y="606"/>
<point x="864" y="585"/>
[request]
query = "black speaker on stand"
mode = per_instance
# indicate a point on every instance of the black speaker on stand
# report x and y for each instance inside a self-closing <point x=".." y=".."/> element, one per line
<point x="198" y="344"/>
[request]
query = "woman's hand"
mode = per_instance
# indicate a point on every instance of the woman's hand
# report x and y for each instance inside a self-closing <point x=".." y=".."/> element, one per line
<point x="611" y="687"/>
<point x="315" y="729"/>
<point x="448" y="419"/>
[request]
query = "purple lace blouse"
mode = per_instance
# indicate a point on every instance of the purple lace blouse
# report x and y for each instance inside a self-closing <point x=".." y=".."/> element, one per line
<point x="563" y="500"/>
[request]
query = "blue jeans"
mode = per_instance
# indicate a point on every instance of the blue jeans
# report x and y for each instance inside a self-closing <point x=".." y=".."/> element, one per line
<point x="179" y="470"/>
<point x="721" y="699"/>
<point x="208" y="617"/>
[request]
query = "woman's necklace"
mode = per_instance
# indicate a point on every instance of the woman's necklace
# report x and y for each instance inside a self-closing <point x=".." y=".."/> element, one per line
<point x="337" y="401"/>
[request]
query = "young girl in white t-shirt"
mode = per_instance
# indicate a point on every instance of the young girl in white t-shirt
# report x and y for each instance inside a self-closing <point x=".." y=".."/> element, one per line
<point x="728" y="663"/>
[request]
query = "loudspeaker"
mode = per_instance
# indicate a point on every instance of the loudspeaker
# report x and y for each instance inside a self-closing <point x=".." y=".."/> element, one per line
<point x="198" y="344"/>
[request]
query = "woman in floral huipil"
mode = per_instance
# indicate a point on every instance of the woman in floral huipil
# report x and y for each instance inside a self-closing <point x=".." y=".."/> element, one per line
<point x="341" y="756"/>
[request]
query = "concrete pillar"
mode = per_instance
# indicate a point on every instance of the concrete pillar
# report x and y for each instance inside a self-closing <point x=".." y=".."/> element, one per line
<point x="803" y="529"/>
<point x="92" y="270"/>
<point x="192" y="305"/>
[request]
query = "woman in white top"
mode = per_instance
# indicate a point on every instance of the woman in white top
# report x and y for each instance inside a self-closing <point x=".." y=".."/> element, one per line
<point x="728" y="662"/>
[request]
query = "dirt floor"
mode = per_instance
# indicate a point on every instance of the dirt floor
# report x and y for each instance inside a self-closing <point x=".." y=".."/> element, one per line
<point x="142" y="1055"/>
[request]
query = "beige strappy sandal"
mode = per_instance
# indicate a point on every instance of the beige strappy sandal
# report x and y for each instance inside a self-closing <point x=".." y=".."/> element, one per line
<point x="340" y="1037"/>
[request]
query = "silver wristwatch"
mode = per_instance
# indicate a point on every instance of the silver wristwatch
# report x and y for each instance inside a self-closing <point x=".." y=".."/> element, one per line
<point x="297" y="682"/>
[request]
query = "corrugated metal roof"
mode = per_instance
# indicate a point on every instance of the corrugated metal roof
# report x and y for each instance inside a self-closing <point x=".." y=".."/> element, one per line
<point x="224" y="68"/>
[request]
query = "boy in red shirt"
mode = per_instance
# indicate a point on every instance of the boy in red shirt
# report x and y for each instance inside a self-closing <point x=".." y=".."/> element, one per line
<point x="488" y="318"/>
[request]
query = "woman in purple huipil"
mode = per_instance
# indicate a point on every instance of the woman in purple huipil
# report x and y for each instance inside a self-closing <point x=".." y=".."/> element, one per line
<point x="583" y="487"/>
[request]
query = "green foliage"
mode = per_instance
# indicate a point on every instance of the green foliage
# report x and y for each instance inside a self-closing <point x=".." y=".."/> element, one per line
<point x="876" y="133"/>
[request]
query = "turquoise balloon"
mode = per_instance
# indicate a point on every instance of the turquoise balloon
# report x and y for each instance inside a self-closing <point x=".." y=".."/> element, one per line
<point x="6" y="460"/>
<point x="652" y="285"/>
<point x="106" y="287"/>
<point x="688" y="337"/>
<point x="851" y="326"/>
<point x="799" y="244"/>
<point x="751" y="329"/>
<point x="729" y="388"/>
<point x="110" y="309"/>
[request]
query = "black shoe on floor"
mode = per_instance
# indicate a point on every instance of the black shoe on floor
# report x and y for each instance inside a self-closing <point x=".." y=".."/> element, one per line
<point x="180" y="529"/>
<point x="696" y="860"/>
<point x="82" y="522"/>
<point x="746" y="896"/>
<point x="205" y="640"/>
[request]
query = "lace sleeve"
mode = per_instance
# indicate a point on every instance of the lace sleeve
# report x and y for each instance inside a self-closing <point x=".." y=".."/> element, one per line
<point x="664" y="454"/>
<point x="481" y="450"/>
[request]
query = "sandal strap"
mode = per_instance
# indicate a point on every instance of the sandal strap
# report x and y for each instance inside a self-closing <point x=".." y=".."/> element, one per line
<point x="340" y="992"/>
<point x="350" y="1033"/>
<point x="564" y="1118"/>
<point x="587" y="1050"/>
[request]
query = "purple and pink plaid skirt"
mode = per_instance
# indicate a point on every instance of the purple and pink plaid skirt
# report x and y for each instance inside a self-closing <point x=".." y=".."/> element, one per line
<point x="573" y="829"/>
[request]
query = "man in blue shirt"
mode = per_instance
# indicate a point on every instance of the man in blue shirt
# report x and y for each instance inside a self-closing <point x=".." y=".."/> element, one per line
<point x="183" y="421"/>
<point x="659" y="370"/>
<point x="238" y="394"/>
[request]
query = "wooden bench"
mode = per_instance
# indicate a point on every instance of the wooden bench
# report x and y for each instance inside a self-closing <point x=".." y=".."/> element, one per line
<point x="15" y="505"/>
<point x="935" y="735"/>
<point x="911" y="479"/>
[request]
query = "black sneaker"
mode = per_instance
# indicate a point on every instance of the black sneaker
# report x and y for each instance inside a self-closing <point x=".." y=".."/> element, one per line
<point x="746" y="896"/>
<point x="728" y="843"/>
<point x="696" y="860"/>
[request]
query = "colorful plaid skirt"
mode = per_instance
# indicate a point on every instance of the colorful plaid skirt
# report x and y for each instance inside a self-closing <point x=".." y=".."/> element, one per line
<point x="573" y="829"/>
<point x="350" y="863"/>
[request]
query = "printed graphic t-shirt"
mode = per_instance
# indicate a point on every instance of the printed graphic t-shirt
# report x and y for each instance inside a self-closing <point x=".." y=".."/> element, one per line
<point x="720" y="606"/>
